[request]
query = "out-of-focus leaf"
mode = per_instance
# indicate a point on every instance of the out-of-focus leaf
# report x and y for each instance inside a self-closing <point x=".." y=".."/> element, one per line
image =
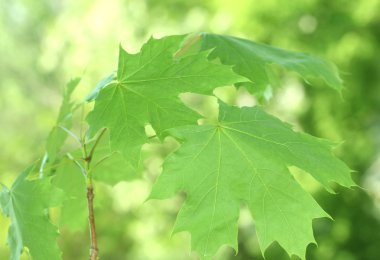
<point x="70" y="179"/>
<point x="110" y="167"/>
<point x="251" y="59"/>
<point x="57" y="135"/>
<point x="25" y="203"/>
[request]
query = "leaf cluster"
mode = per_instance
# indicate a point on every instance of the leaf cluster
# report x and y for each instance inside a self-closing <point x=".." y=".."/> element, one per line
<point x="241" y="157"/>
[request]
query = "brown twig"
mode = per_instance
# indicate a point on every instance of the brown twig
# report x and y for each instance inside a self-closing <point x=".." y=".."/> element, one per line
<point x="91" y="220"/>
<point x="94" y="251"/>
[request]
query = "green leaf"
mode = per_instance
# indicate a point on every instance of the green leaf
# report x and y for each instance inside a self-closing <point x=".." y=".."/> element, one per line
<point x="251" y="60"/>
<point x="244" y="159"/>
<point x="70" y="179"/>
<point x="57" y="135"/>
<point x="146" y="92"/>
<point x="26" y="203"/>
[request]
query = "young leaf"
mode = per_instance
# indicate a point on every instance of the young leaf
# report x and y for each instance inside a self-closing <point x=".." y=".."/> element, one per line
<point x="245" y="158"/>
<point x="25" y="203"/>
<point x="57" y="135"/>
<point x="251" y="60"/>
<point x="146" y="91"/>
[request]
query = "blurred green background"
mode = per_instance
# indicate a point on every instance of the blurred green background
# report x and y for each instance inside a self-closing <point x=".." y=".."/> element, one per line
<point x="45" y="43"/>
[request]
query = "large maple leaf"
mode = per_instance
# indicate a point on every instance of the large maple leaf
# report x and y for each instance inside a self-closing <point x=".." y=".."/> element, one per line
<point x="147" y="90"/>
<point x="26" y="203"/>
<point x="245" y="158"/>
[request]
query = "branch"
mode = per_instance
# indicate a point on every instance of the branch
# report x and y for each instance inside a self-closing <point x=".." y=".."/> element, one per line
<point x="94" y="251"/>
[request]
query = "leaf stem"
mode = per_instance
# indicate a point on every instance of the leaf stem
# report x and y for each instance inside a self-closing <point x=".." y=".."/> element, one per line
<point x="89" y="157"/>
<point x="83" y="171"/>
<point x="101" y="160"/>
<point x="71" y="134"/>
<point x="43" y="162"/>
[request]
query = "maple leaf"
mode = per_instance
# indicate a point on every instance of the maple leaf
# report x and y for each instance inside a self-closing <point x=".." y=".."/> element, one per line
<point x="26" y="203"/>
<point x="146" y="91"/>
<point x="251" y="59"/>
<point x="245" y="158"/>
<point x="57" y="135"/>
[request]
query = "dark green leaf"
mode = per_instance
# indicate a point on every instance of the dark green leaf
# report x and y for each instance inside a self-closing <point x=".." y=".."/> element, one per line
<point x="251" y="60"/>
